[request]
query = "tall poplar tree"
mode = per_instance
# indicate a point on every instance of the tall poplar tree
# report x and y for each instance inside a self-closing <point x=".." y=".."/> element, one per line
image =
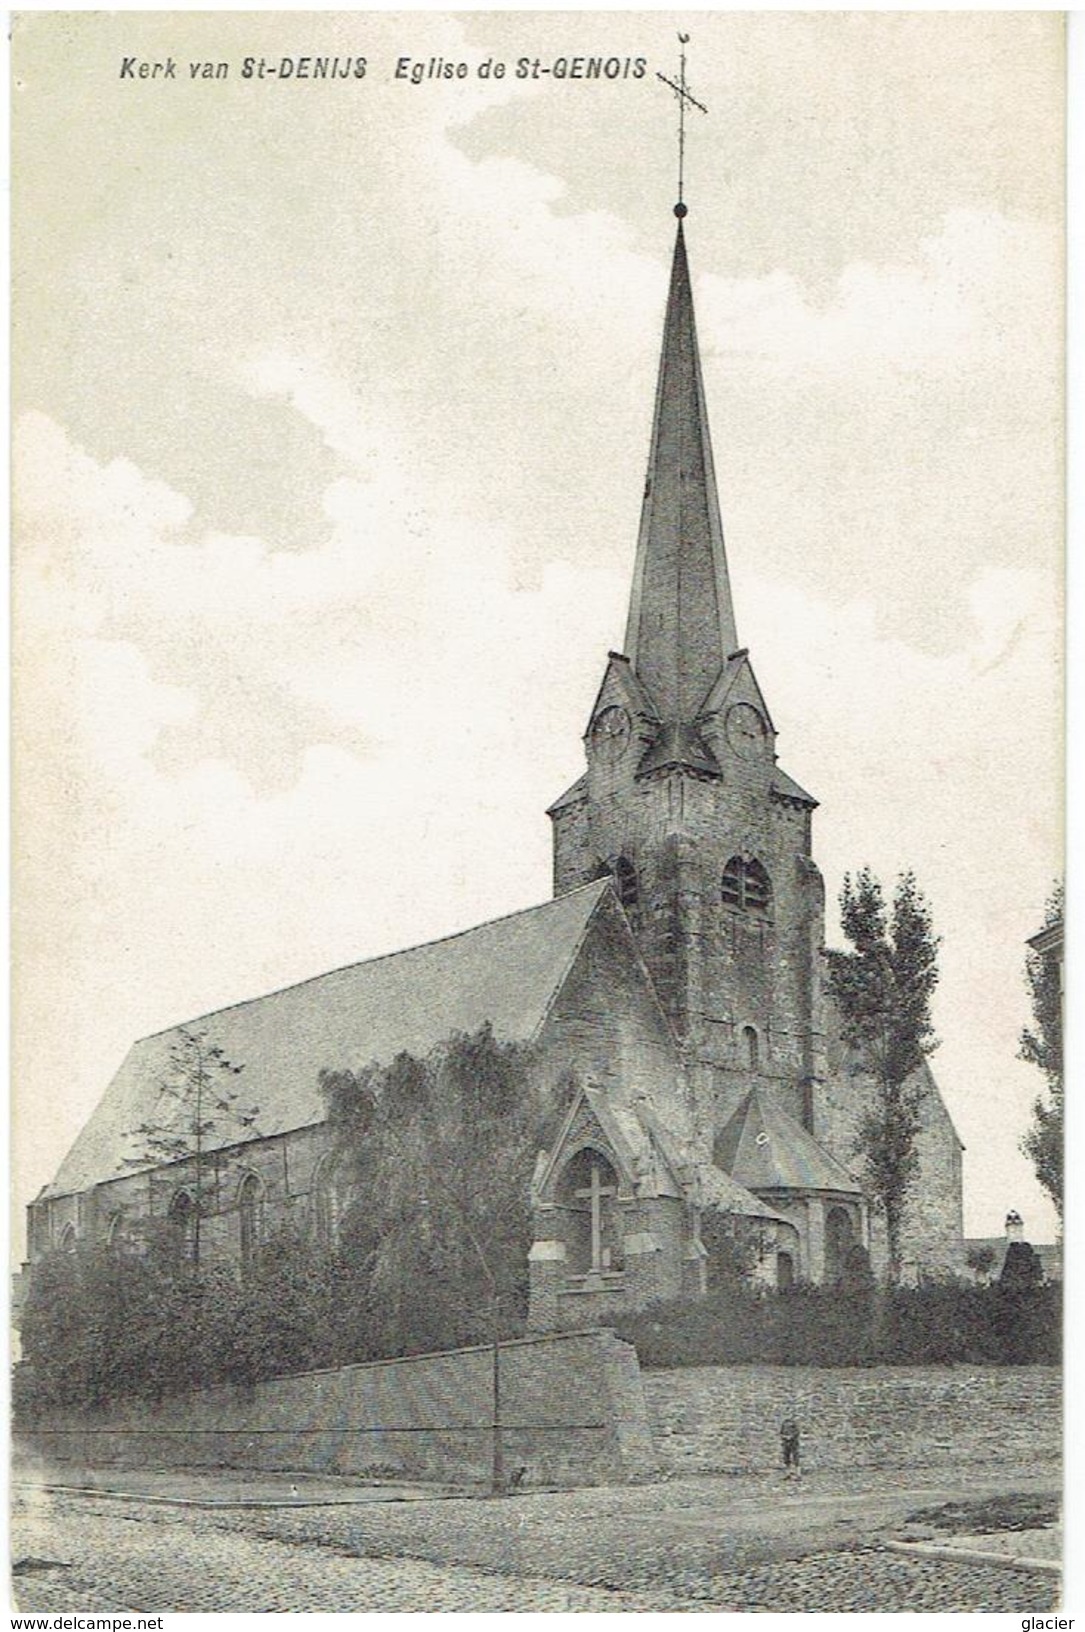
<point x="883" y="987"/>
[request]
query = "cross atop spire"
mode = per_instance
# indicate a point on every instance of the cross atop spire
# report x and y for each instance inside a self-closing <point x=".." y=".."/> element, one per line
<point x="681" y="627"/>
<point x="686" y="99"/>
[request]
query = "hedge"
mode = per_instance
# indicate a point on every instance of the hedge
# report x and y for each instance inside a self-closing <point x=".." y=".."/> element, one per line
<point x="825" y="1326"/>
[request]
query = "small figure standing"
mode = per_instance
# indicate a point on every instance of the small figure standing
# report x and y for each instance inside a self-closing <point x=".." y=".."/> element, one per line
<point x="789" y="1440"/>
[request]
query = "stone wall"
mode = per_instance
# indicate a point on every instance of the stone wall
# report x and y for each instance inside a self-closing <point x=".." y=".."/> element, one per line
<point x="727" y="1419"/>
<point x="572" y="1408"/>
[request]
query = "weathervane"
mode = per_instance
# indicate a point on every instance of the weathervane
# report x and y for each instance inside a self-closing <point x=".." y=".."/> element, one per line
<point x="685" y="99"/>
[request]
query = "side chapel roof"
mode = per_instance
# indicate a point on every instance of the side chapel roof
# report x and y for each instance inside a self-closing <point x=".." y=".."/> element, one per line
<point x="652" y="1146"/>
<point x="763" y="1148"/>
<point x="506" y="972"/>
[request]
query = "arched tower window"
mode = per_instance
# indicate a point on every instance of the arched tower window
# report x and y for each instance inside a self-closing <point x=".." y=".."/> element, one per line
<point x="731" y="887"/>
<point x="746" y="886"/>
<point x="248" y="1214"/>
<point x="624" y="874"/>
<point x="625" y="879"/>
<point x="758" y="888"/>
<point x="68" y="1238"/>
<point x="751" y="1046"/>
<point x="113" y="1229"/>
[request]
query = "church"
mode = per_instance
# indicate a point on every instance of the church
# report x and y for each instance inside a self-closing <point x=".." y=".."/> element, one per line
<point x="674" y="989"/>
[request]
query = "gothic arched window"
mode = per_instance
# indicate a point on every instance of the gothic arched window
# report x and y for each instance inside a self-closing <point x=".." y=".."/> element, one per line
<point x="839" y="1240"/>
<point x="68" y="1239"/>
<point x="749" y="1038"/>
<point x="746" y="886"/>
<point x="248" y="1216"/>
<point x="325" y="1204"/>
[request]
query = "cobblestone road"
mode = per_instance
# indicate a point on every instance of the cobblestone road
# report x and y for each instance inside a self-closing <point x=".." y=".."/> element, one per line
<point x="533" y="1553"/>
<point x="145" y="1564"/>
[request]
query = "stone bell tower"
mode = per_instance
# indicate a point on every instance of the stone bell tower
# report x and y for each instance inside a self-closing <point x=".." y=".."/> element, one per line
<point x="683" y="803"/>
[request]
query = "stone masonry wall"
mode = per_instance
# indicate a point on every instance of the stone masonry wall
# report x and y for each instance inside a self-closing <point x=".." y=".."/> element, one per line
<point x="727" y="1419"/>
<point x="286" y="1168"/>
<point x="604" y="1022"/>
<point x="572" y="1408"/>
<point x="933" y="1234"/>
<point x="717" y="970"/>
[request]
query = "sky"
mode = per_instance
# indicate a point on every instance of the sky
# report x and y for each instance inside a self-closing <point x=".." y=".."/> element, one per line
<point x="331" y="411"/>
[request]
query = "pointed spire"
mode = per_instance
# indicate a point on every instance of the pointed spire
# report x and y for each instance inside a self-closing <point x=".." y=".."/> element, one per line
<point x="681" y="622"/>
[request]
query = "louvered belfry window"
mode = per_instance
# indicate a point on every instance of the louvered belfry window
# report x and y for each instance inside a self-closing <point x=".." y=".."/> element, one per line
<point x="758" y="888"/>
<point x="746" y="886"/>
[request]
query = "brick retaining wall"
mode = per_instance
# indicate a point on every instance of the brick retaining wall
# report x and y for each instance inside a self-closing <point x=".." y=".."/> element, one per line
<point x="572" y="1405"/>
<point x="727" y="1418"/>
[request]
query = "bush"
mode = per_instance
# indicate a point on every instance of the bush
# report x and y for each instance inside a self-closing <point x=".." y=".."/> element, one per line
<point x="101" y="1323"/>
<point x="852" y="1326"/>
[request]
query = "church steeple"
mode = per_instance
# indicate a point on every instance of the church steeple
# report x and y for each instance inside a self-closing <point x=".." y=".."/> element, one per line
<point x="681" y="627"/>
<point x="683" y="803"/>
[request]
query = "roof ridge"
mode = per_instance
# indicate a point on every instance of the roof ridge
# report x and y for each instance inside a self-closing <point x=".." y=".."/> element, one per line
<point x="381" y="957"/>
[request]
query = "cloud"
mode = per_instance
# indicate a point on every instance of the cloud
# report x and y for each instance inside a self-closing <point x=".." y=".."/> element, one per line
<point x="950" y="308"/>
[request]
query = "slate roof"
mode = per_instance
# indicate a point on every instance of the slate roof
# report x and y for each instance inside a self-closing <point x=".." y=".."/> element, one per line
<point x="785" y="787"/>
<point x="1049" y="939"/>
<point x="763" y="1148"/>
<point x="679" y="745"/>
<point x="681" y="621"/>
<point x="506" y="971"/>
<point x="571" y="796"/>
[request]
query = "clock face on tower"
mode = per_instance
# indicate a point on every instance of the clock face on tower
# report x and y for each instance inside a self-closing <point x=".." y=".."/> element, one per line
<point x="746" y="731"/>
<point x="610" y="731"/>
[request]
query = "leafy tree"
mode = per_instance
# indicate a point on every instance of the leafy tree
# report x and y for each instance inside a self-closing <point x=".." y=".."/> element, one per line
<point x="883" y="987"/>
<point x="1041" y="1045"/>
<point x="1021" y="1268"/>
<point x="440" y="1153"/>
<point x="204" y="1105"/>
